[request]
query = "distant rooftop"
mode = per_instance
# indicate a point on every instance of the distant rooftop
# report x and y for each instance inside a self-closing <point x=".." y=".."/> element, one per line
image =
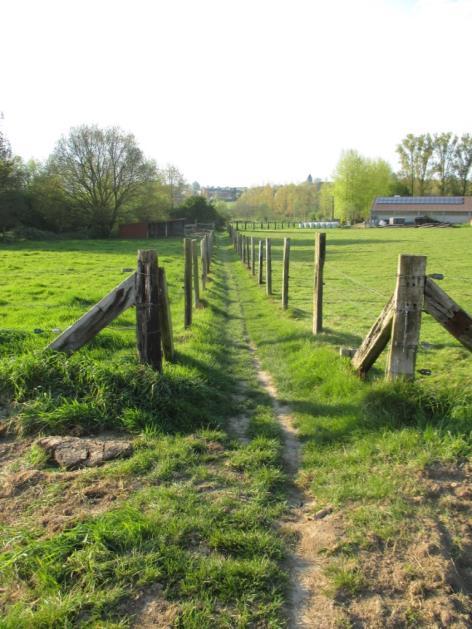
<point x="419" y="201"/>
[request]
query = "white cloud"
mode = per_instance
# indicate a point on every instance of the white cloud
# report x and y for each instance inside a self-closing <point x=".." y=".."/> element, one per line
<point x="237" y="92"/>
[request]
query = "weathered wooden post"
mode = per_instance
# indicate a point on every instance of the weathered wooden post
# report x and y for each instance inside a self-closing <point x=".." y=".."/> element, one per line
<point x="165" y="317"/>
<point x="268" y="266"/>
<point x="248" y="252"/>
<point x="286" y="263"/>
<point x="253" y="255"/>
<point x="261" y="258"/>
<point x="407" y="306"/>
<point x="148" y="330"/>
<point x="320" y="254"/>
<point x="204" y="264"/>
<point x="212" y="239"/>
<point x="196" y="279"/>
<point x="207" y="252"/>
<point x="244" y="250"/>
<point x="188" y="281"/>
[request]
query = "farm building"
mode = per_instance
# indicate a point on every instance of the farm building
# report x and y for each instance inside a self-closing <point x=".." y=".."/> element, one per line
<point x="161" y="229"/>
<point x="444" y="209"/>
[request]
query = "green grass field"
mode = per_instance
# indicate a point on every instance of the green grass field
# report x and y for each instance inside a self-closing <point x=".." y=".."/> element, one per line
<point x="360" y="272"/>
<point x="188" y="528"/>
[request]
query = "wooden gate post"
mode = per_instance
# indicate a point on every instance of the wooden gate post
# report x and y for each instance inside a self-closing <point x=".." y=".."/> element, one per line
<point x="164" y="317"/>
<point x="286" y="263"/>
<point x="268" y="266"/>
<point x="148" y="330"/>
<point x="320" y="253"/>
<point x="261" y="263"/>
<point x="196" y="279"/>
<point x="204" y="264"/>
<point x="188" y="282"/>
<point x="253" y="255"/>
<point x="408" y="304"/>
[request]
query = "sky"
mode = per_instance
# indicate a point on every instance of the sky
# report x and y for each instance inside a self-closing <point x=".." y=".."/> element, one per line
<point x="237" y="92"/>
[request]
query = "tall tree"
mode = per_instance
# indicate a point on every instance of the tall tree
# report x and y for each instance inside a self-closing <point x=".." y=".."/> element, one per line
<point x="407" y="151"/>
<point x="101" y="171"/>
<point x="423" y="159"/>
<point x="462" y="162"/>
<point x="416" y="153"/>
<point x="176" y="184"/>
<point x="357" y="182"/>
<point x="12" y="179"/>
<point x="444" y="147"/>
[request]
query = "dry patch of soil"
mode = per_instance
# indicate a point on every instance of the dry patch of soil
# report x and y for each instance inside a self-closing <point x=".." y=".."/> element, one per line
<point x="48" y="498"/>
<point x="425" y="579"/>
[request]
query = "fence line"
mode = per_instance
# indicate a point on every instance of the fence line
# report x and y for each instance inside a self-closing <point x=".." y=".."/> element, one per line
<point x="399" y="321"/>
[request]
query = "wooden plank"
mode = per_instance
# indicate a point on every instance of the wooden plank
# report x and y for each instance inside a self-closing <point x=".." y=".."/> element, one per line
<point x="97" y="318"/>
<point x="375" y="341"/>
<point x="450" y="315"/>
<point x="261" y="262"/>
<point x="196" y="279"/>
<point x="320" y="254"/>
<point x="187" y="282"/>
<point x="285" y="273"/>
<point x="165" y="319"/>
<point x="148" y="329"/>
<point x="268" y="266"/>
<point x="408" y="304"/>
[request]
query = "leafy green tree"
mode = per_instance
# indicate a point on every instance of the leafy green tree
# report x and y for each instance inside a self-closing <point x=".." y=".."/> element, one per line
<point x="357" y="182"/>
<point x="176" y="184"/>
<point x="101" y="172"/>
<point x="327" y="201"/>
<point x="444" y="153"/>
<point x="462" y="162"/>
<point x="12" y="193"/>
<point x="197" y="208"/>
<point x="416" y="157"/>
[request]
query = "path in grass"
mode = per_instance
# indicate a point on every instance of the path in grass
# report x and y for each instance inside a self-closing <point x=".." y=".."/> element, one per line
<point x="304" y="607"/>
<point x="385" y="538"/>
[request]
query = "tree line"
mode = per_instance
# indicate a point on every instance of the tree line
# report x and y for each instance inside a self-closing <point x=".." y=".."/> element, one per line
<point x="94" y="179"/>
<point x="438" y="164"/>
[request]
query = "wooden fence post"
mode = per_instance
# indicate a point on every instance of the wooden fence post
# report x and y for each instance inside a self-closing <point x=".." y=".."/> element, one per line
<point x="207" y="252"/>
<point x="248" y="252"/>
<point x="148" y="330"/>
<point x="204" y="264"/>
<point x="268" y="266"/>
<point x="196" y="279"/>
<point x="320" y="253"/>
<point x="408" y="304"/>
<point x="285" y="271"/>
<point x="261" y="263"/>
<point x="253" y="255"/>
<point x="164" y="317"/>
<point x="244" y="250"/>
<point x="188" y="281"/>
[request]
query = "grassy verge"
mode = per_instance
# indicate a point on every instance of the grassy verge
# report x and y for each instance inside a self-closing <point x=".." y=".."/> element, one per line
<point x="183" y="531"/>
<point x="392" y="460"/>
